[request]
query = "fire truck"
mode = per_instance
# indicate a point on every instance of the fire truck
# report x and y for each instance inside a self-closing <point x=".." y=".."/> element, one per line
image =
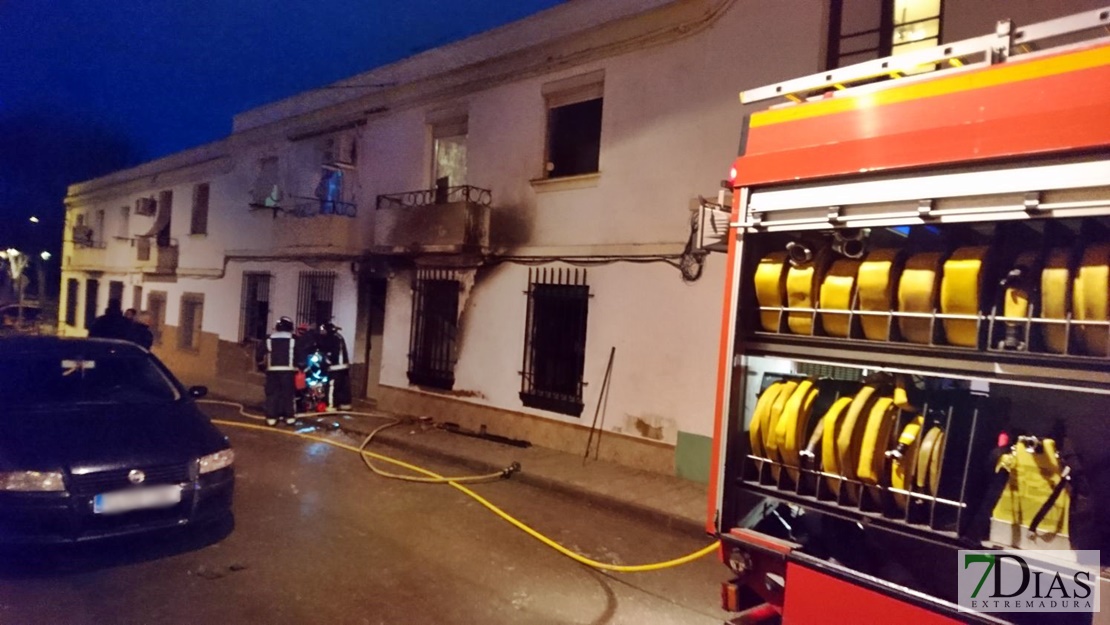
<point x="915" y="337"/>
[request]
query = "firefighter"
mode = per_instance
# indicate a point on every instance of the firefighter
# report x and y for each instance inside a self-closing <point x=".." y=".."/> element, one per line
<point x="335" y="350"/>
<point x="277" y="357"/>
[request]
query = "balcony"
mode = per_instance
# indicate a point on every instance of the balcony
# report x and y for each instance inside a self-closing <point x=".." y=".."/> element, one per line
<point x="442" y="220"/>
<point x="156" y="257"/>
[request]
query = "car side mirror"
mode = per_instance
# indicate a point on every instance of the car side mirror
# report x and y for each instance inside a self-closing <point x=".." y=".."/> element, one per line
<point x="196" y="392"/>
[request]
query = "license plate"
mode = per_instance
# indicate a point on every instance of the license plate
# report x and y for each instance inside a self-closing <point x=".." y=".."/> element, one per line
<point x="137" y="499"/>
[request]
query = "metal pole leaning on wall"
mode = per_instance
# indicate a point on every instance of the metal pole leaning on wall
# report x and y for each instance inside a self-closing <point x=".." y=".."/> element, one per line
<point x="601" y="396"/>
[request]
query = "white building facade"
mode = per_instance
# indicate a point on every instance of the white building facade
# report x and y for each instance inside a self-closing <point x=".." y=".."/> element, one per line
<point x="502" y="226"/>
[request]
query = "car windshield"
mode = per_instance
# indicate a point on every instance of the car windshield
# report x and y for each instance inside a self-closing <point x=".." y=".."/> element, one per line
<point x="107" y="378"/>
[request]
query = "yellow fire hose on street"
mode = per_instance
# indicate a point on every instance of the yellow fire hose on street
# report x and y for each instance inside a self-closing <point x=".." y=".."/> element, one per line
<point x="426" y="476"/>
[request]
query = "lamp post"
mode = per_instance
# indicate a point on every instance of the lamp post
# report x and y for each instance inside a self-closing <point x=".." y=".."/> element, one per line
<point x="17" y="262"/>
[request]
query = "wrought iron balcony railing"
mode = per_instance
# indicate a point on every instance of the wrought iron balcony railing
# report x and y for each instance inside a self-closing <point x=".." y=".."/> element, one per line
<point x="434" y="196"/>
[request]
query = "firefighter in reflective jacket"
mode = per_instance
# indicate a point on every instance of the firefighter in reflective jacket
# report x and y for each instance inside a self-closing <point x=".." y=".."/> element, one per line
<point x="335" y="349"/>
<point x="277" y="357"/>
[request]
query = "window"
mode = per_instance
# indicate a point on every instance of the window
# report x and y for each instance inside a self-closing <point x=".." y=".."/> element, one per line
<point x="124" y="222"/>
<point x="555" y="340"/>
<point x="199" y="223"/>
<point x="92" y="288"/>
<point x="573" y="125"/>
<point x="449" y="153"/>
<point x="72" y="290"/>
<point x="861" y="30"/>
<point x="165" y="217"/>
<point x="314" y="297"/>
<point x="435" y="315"/>
<point x="156" y="305"/>
<point x="255" y="307"/>
<point x="190" y="323"/>
<point x="137" y="297"/>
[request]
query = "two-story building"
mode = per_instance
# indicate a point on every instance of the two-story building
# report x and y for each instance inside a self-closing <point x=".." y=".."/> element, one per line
<point x="505" y="227"/>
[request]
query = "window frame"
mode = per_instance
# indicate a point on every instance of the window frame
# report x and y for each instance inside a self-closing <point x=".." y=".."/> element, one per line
<point x="887" y="26"/>
<point x="433" y="346"/>
<point x="568" y="92"/>
<point x="563" y="290"/>
<point x="92" y="300"/>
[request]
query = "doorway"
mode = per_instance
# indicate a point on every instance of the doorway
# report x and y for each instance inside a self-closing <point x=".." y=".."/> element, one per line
<point x="368" y="333"/>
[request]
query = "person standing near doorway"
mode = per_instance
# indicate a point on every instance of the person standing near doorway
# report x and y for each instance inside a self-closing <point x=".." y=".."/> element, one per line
<point x="277" y="357"/>
<point x="333" y="345"/>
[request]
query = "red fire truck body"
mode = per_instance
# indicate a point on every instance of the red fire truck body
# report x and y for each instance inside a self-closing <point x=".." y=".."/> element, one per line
<point x="991" y="153"/>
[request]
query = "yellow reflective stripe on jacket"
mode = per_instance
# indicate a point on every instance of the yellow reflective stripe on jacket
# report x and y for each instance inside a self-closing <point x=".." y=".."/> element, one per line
<point x="837" y="290"/>
<point x="1089" y="298"/>
<point x="875" y="287"/>
<point x="1055" y="298"/>
<point x="770" y="288"/>
<point x="917" y="293"/>
<point x="959" y="293"/>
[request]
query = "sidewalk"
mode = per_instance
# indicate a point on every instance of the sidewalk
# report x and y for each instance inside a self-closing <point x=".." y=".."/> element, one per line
<point x="669" y="501"/>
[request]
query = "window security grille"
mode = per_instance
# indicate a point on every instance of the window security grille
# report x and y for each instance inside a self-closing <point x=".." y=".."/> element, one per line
<point x="315" y="294"/>
<point x="435" y="315"/>
<point x="255" y="307"/>
<point x="555" y="340"/>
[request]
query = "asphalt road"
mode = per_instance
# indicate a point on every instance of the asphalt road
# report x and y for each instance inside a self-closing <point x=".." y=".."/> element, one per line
<point x="319" y="539"/>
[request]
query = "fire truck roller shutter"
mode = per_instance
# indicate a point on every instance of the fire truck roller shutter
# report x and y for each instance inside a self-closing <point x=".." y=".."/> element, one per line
<point x="961" y="292"/>
<point x="1090" y="298"/>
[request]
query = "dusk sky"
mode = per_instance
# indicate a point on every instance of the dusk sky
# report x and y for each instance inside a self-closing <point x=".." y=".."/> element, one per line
<point x="90" y="86"/>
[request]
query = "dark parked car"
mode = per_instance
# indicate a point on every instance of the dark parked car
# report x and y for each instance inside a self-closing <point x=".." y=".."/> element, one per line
<point x="9" y="313"/>
<point x="98" y="439"/>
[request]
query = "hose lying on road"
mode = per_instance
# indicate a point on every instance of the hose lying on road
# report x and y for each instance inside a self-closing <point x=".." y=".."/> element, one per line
<point x="392" y="421"/>
<point x="454" y="483"/>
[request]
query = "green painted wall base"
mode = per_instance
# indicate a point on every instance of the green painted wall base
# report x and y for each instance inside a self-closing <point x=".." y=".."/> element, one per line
<point x="691" y="457"/>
